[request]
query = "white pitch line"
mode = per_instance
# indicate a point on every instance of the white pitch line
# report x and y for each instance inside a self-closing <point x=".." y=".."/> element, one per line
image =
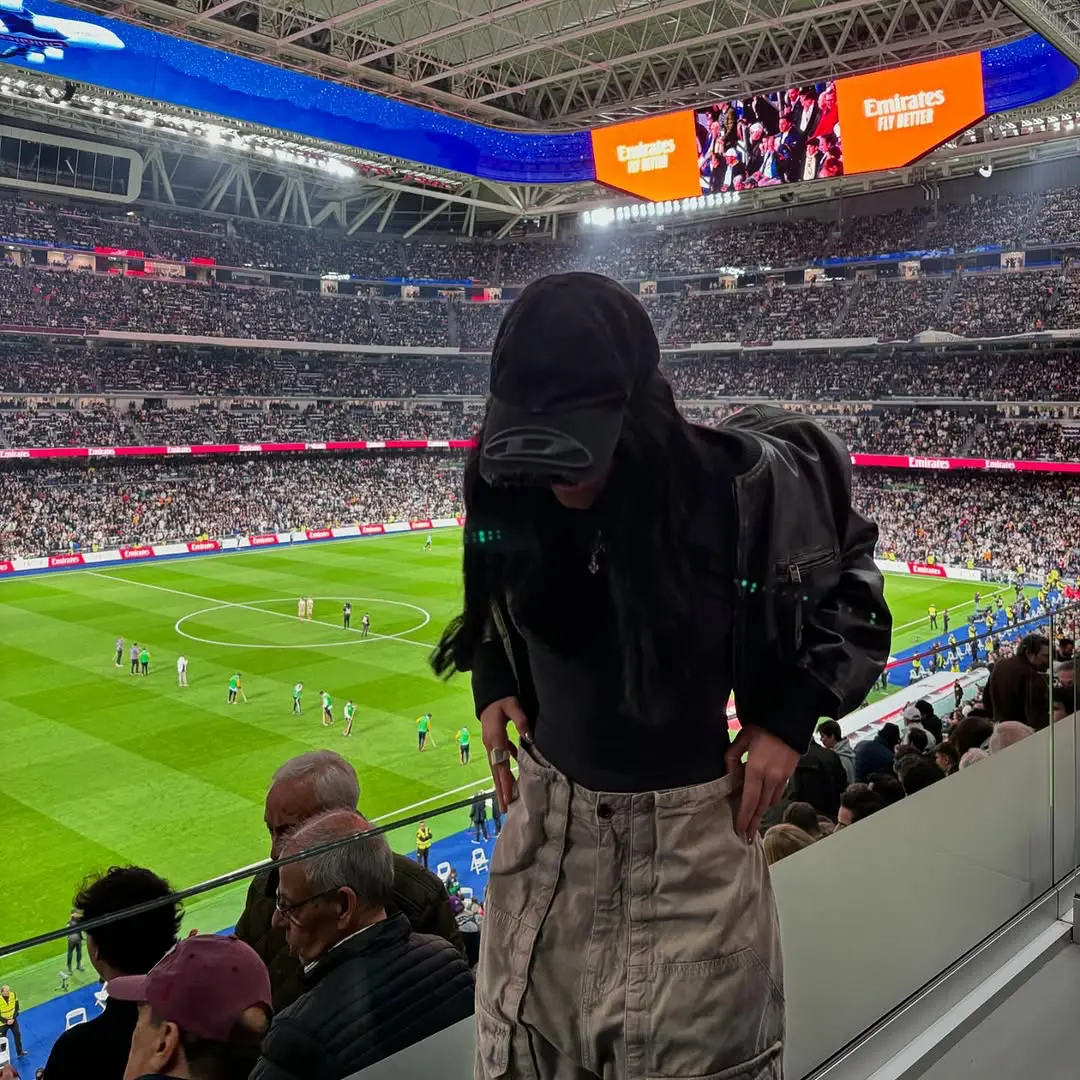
<point x="925" y="620"/>
<point x="435" y="798"/>
<point x="394" y="813"/>
<point x="248" y="607"/>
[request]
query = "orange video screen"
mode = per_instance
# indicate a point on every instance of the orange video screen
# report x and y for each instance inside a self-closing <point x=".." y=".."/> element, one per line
<point x="864" y="123"/>
<point x="656" y="158"/>
<point x="891" y="118"/>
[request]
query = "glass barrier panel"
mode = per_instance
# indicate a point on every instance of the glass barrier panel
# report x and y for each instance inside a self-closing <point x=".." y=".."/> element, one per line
<point x="56" y="984"/>
<point x="908" y="891"/>
<point x="1066" y="748"/>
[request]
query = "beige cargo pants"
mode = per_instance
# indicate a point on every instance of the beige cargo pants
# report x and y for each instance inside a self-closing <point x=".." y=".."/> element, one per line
<point x="629" y="937"/>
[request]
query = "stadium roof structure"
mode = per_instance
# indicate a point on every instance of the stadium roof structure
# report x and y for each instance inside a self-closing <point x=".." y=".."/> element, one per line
<point x="536" y="65"/>
<point x="578" y="63"/>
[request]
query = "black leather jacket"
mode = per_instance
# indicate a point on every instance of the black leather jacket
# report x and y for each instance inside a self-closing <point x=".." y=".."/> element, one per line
<point x="811" y="635"/>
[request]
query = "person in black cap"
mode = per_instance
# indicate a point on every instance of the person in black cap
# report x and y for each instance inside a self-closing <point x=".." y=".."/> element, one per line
<point x="624" y="572"/>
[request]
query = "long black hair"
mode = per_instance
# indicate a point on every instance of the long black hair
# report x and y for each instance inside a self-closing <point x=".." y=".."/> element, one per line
<point x="653" y="560"/>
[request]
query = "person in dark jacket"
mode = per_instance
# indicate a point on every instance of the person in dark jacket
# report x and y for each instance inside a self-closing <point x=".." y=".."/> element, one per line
<point x="304" y="786"/>
<point x="131" y="946"/>
<point x="876" y="754"/>
<point x="1019" y="686"/>
<point x="478" y="818"/>
<point x="624" y="571"/>
<point x="819" y="779"/>
<point x="373" y="987"/>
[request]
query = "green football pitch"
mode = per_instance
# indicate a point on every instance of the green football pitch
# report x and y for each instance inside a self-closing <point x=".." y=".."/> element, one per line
<point x="102" y="767"/>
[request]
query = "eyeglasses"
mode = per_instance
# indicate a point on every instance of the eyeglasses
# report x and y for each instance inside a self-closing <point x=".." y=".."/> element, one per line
<point x="288" y="911"/>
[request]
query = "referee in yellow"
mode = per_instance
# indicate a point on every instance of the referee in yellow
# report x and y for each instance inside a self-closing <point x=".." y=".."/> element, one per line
<point x="9" y="1018"/>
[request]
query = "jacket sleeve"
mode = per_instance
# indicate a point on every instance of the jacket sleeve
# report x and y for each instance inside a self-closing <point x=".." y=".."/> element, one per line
<point x="291" y="1053"/>
<point x="244" y="930"/>
<point x="492" y="676"/>
<point x="421" y="897"/>
<point x="1037" y="703"/>
<point x="846" y="635"/>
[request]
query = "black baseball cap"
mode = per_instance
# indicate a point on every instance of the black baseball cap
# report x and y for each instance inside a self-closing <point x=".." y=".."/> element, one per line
<point x="569" y="355"/>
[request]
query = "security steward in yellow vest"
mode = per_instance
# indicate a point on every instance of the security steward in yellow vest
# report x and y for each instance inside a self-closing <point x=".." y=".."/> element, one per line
<point x="423" y="844"/>
<point x="9" y="1018"/>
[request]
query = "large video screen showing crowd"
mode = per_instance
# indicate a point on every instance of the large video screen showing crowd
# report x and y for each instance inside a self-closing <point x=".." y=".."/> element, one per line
<point x="770" y="139"/>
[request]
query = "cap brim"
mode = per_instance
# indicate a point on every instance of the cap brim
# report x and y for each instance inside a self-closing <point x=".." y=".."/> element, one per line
<point x="128" y="987"/>
<point x="566" y="446"/>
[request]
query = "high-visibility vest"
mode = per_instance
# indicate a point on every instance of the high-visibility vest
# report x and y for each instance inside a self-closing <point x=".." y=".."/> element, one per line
<point x="8" y="1005"/>
<point x="423" y="839"/>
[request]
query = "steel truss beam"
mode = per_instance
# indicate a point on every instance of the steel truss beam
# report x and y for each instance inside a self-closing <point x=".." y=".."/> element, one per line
<point x="568" y="62"/>
<point x="629" y="71"/>
<point x="341" y="61"/>
<point x="1057" y="20"/>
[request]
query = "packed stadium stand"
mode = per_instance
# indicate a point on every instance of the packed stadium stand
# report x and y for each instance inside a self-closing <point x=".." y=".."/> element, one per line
<point x="179" y="381"/>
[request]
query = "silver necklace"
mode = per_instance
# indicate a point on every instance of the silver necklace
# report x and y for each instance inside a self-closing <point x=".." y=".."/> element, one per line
<point x="595" y="552"/>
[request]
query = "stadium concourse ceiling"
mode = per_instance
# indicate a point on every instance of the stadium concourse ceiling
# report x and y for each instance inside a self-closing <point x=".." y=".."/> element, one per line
<point x="548" y="64"/>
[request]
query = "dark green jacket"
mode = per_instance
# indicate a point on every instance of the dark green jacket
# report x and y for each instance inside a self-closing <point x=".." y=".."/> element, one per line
<point x="418" y="894"/>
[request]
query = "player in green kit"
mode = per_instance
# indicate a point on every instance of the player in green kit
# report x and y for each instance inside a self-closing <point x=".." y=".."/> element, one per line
<point x="144" y="660"/>
<point x="350" y="712"/>
<point x="463" y="746"/>
<point x="297" y="707"/>
<point x="327" y="708"/>
<point x="423" y="726"/>
<point x="234" y="688"/>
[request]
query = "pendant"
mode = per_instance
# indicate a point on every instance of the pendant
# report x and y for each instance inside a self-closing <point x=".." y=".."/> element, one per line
<point x="594" y="555"/>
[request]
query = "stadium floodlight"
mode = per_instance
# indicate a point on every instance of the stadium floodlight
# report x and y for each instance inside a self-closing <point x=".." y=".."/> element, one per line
<point x="603" y="216"/>
<point x="586" y="218"/>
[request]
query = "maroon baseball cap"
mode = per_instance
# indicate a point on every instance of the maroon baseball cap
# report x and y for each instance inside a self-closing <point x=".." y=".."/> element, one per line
<point x="203" y="985"/>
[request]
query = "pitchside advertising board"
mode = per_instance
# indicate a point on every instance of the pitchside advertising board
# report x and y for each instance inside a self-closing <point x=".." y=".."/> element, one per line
<point x="81" y="559"/>
<point x="860" y="124"/>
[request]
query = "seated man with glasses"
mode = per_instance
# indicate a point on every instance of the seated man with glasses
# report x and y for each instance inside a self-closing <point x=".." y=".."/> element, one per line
<point x="373" y="986"/>
<point x="303" y="787"/>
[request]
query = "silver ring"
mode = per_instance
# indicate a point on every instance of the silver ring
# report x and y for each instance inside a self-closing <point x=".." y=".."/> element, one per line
<point x="499" y="756"/>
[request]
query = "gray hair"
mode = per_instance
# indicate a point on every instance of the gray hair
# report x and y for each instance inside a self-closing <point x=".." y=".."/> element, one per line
<point x="333" y="780"/>
<point x="1006" y="733"/>
<point x="366" y="865"/>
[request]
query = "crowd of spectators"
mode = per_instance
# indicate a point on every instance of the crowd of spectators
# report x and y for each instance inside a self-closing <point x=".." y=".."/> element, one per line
<point x="975" y="221"/>
<point x="925" y="431"/>
<point x="105" y="396"/>
<point x="840" y="781"/>
<point x="993" y="522"/>
<point x="218" y="373"/>
<point x="885" y="309"/>
<point x="67" y="507"/>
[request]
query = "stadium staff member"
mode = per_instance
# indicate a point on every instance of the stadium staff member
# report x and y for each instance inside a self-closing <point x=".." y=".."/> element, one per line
<point x="648" y="567"/>
<point x="9" y="1019"/>
<point x="203" y="1012"/>
<point x="373" y="986"/>
<point x="130" y="946"/>
<point x="303" y="787"/>
<point x="424" y="840"/>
